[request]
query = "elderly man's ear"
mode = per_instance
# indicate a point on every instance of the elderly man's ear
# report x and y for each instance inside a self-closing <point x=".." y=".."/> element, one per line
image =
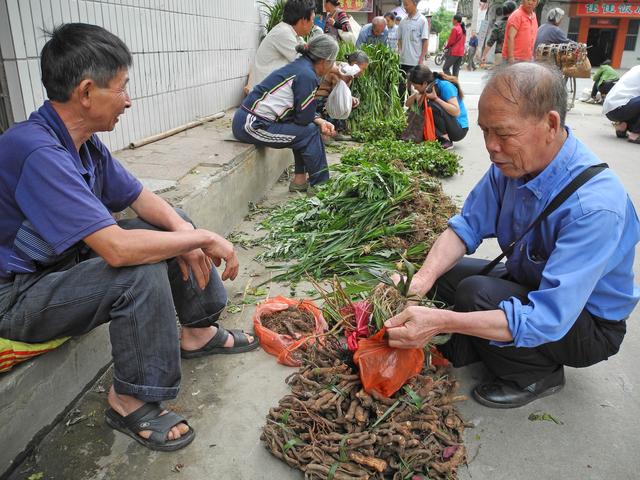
<point x="83" y="92"/>
<point x="554" y="125"/>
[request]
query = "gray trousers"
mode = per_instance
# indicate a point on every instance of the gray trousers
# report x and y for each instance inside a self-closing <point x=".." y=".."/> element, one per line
<point x="139" y="303"/>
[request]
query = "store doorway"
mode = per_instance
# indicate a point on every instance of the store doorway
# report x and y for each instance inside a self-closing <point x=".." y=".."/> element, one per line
<point x="600" y="42"/>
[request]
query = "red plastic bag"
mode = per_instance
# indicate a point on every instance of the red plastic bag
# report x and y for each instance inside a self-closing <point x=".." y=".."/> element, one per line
<point x="385" y="369"/>
<point x="281" y="345"/>
<point x="360" y="312"/>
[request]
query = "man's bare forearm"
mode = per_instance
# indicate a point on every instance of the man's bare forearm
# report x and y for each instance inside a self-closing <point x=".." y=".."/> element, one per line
<point x="489" y="324"/>
<point x="121" y="248"/>
<point x="154" y="210"/>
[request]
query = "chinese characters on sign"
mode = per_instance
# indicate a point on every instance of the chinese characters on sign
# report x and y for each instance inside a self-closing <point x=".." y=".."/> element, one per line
<point x="356" y="5"/>
<point x="617" y="9"/>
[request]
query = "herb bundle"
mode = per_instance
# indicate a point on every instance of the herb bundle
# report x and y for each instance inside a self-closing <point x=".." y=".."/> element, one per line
<point x="377" y="90"/>
<point x="368" y="216"/>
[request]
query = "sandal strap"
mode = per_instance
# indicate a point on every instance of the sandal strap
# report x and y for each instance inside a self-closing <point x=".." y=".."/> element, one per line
<point x="141" y="415"/>
<point x="218" y="339"/>
<point x="149" y="417"/>
<point x="239" y="338"/>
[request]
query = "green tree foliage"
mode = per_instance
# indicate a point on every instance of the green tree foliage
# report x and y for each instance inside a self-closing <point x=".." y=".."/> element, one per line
<point x="441" y="24"/>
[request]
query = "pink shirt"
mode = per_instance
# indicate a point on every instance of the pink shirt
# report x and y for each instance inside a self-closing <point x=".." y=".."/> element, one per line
<point x="527" y="29"/>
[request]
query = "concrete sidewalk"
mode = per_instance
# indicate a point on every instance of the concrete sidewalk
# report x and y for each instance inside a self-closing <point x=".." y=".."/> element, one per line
<point x="226" y="398"/>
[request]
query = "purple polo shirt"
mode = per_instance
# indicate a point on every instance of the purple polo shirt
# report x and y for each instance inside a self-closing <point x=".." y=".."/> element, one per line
<point x="51" y="195"/>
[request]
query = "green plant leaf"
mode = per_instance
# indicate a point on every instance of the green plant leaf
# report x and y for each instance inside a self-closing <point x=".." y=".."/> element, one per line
<point x="291" y="443"/>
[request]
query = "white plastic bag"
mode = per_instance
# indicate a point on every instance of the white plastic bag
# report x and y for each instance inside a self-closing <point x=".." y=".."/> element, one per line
<point x="340" y="101"/>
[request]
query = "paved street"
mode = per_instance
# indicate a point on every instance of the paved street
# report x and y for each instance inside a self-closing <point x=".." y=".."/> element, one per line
<point x="226" y="397"/>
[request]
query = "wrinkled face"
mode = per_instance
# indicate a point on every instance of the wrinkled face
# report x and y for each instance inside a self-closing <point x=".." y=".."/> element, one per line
<point x="108" y="103"/>
<point x="378" y="28"/>
<point x="529" y="5"/>
<point x="514" y="142"/>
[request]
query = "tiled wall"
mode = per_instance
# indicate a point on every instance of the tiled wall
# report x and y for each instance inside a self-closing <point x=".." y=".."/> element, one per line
<point x="191" y="57"/>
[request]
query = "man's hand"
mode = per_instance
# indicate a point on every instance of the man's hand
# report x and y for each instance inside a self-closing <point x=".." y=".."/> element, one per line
<point x="219" y="249"/>
<point x="418" y="288"/>
<point x="199" y="264"/>
<point x="355" y="102"/>
<point x="414" y="327"/>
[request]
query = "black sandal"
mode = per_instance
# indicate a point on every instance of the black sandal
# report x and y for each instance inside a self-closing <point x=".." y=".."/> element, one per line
<point x="216" y="344"/>
<point x="149" y="417"/>
<point x="621" y="134"/>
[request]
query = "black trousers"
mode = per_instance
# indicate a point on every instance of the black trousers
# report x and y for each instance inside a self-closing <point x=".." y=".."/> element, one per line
<point x="446" y="124"/>
<point x="629" y="113"/>
<point x="589" y="341"/>
<point x="404" y="80"/>
<point x="454" y="62"/>
<point x="603" y="88"/>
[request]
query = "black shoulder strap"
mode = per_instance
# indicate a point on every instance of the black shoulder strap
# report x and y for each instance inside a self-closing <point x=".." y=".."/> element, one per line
<point x="587" y="174"/>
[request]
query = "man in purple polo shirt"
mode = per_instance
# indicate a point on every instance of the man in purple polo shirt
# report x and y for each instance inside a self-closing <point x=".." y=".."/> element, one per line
<point x="66" y="266"/>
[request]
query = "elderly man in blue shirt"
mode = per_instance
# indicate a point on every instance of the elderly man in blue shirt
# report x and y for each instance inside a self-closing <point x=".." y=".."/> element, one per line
<point x="67" y="266"/>
<point x="374" y="32"/>
<point x="565" y="291"/>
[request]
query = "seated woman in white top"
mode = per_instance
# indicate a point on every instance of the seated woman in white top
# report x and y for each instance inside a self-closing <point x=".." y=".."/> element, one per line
<point x="278" y="48"/>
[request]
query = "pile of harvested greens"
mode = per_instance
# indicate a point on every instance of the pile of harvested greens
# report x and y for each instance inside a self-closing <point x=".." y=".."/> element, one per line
<point x="374" y="210"/>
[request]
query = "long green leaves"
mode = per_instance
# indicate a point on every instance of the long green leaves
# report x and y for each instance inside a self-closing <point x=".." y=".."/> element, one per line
<point x="273" y="12"/>
<point x="374" y="211"/>
<point x="377" y="90"/>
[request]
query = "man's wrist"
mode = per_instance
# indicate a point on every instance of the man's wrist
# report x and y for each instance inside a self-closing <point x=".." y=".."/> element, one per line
<point x="422" y="283"/>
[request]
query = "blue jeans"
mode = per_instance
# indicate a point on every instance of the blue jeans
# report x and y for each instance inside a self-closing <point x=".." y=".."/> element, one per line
<point x="139" y="303"/>
<point x="304" y="140"/>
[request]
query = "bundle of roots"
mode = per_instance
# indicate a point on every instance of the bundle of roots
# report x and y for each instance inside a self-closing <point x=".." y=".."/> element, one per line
<point x="329" y="427"/>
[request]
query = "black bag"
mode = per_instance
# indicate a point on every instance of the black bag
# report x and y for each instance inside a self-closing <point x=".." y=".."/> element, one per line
<point x="415" y="127"/>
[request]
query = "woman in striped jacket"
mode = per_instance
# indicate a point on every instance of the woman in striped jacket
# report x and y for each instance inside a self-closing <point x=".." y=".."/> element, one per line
<point x="280" y="112"/>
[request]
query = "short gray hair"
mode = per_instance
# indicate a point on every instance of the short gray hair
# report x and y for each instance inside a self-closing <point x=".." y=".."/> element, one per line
<point x="555" y="15"/>
<point x="320" y="47"/>
<point x="535" y="88"/>
<point x="358" y="57"/>
<point x="378" y="20"/>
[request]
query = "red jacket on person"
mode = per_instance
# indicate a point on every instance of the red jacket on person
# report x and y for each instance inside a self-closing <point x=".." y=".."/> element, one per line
<point x="456" y="40"/>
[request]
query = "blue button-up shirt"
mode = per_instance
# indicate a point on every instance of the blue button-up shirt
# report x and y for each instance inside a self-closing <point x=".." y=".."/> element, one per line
<point x="580" y="257"/>
<point x="367" y="36"/>
<point x="52" y="195"/>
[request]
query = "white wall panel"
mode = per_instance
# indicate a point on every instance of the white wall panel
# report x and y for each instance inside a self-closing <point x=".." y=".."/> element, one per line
<point x="190" y="57"/>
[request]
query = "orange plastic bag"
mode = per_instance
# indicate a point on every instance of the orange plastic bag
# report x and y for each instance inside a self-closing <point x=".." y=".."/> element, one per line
<point x="429" y="124"/>
<point x="279" y="345"/>
<point x="385" y="369"/>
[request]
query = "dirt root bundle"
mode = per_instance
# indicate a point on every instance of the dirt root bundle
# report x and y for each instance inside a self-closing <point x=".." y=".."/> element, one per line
<point x="329" y="427"/>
